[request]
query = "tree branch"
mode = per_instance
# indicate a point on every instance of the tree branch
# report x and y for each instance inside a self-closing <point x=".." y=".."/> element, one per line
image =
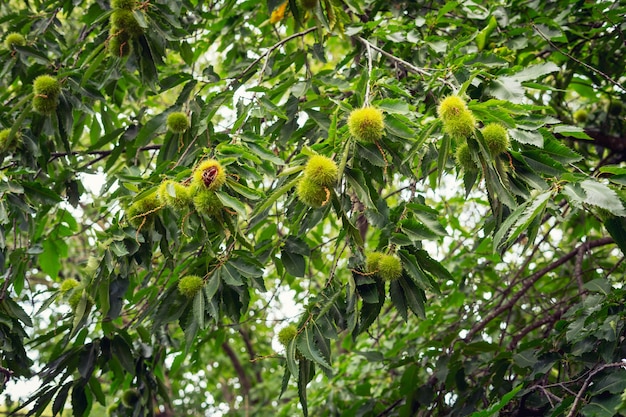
<point x="578" y="270"/>
<point x="578" y="61"/>
<point x="408" y="65"/>
<point x="241" y="373"/>
<point x="530" y="281"/>
<point x="615" y="143"/>
<point x="521" y="334"/>
<point x="251" y="352"/>
<point x="391" y="407"/>
<point x="581" y="392"/>
<point x="270" y="50"/>
<point x="57" y="155"/>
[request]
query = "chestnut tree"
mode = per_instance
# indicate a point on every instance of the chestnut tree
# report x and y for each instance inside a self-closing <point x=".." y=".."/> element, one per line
<point x="313" y="207"/>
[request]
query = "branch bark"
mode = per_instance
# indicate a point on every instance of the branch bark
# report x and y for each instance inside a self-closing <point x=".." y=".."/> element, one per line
<point x="241" y="373"/>
<point x="615" y="143"/>
<point x="581" y="392"/>
<point x="56" y="155"/>
<point x="251" y="352"/>
<point x="584" y="64"/>
<point x="530" y="281"/>
<point x="551" y="319"/>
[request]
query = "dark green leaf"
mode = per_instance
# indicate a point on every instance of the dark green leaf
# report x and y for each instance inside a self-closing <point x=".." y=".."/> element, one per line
<point x="307" y="347"/>
<point x="294" y="263"/>
<point x="415" y="297"/>
<point x="59" y="401"/>
<point x="79" y="400"/>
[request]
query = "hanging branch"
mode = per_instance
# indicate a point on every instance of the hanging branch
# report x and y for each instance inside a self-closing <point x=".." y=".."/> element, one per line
<point x="581" y="392"/>
<point x="408" y="65"/>
<point x="578" y="61"/>
<point x="267" y="53"/>
<point x="530" y="281"/>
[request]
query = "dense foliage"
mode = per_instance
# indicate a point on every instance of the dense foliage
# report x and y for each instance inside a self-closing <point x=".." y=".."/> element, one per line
<point x="324" y="207"/>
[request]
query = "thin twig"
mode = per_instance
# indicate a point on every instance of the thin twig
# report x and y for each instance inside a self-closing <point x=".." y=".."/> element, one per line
<point x="408" y="65"/>
<point x="553" y="318"/>
<point x="581" y="392"/>
<point x="270" y="50"/>
<point x="578" y="270"/>
<point x="391" y="407"/>
<point x="366" y="100"/>
<point x="57" y="155"/>
<point x="578" y="61"/>
<point x="530" y="281"/>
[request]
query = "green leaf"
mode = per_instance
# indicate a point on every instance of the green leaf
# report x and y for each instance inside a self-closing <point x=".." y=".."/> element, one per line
<point x="418" y="231"/>
<point x="79" y="400"/>
<point x="257" y="146"/>
<point x="210" y="288"/>
<point x="495" y="408"/>
<point x="359" y="185"/>
<point x="296" y="245"/>
<point x="602" y="196"/>
<point x="527" y="137"/>
<point x="483" y="36"/>
<point x="535" y="71"/>
<point x="602" y="406"/>
<point x="372" y="355"/>
<point x="273" y="197"/>
<point x="305" y="342"/>
<point x="530" y="210"/>
<point x="290" y="356"/>
<point x="616" y="226"/>
<point x="230" y="275"/>
<point x="447" y="7"/>
<point x="410" y="265"/>
<point x="232" y="202"/>
<point x="86" y="360"/>
<point x="442" y="156"/>
<point x="43" y="399"/>
<point x="50" y="258"/>
<point x="572" y="131"/>
<point x="369" y="312"/>
<point x="150" y="129"/>
<point x="433" y="267"/>
<point x="371" y="153"/>
<point x="122" y="353"/>
<point x="399" y="126"/>
<point x="96" y="389"/>
<point x="397" y="298"/>
<point x="198" y="309"/>
<point x="39" y="192"/>
<point x="285" y="382"/>
<point x="415" y="297"/>
<point x="304" y="377"/>
<point x="294" y="263"/>
<point x="614" y="382"/>
<point x="428" y="217"/>
<point x="61" y="398"/>
<point x="16" y="311"/>
<point x="600" y="285"/>
<point x="247" y="192"/>
<point x="392" y="105"/>
<point x="560" y="152"/>
<point x="246" y="266"/>
<point x="507" y="88"/>
<point x="595" y="194"/>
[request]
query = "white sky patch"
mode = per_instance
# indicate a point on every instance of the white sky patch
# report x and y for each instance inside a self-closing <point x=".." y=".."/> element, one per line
<point x="93" y="183"/>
